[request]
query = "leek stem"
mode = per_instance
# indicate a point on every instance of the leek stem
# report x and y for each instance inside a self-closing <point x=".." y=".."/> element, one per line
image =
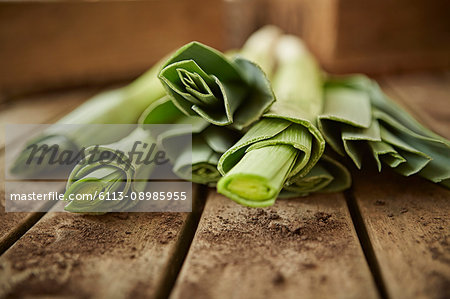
<point x="119" y="106"/>
<point x="250" y="184"/>
<point x="285" y="144"/>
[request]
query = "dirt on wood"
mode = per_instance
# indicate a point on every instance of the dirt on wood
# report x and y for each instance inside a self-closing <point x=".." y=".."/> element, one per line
<point x="267" y="225"/>
<point x="56" y="255"/>
<point x="410" y="232"/>
<point x="295" y="245"/>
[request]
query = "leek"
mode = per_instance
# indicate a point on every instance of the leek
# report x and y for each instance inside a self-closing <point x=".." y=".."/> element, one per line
<point x="285" y="145"/>
<point x="260" y="48"/>
<point x="111" y="176"/>
<point x="360" y="120"/>
<point x="203" y="82"/>
<point x="328" y="175"/>
<point x="208" y="142"/>
<point x="119" y="106"/>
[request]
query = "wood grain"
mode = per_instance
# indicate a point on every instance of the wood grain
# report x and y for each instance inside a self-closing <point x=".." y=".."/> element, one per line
<point x="425" y="95"/>
<point x="118" y="255"/>
<point x="63" y="248"/>
<point x="408" y="225"/>
<point x="37" y="109"/>
<point x="304" y="248"/>
<point x="49" y="44"/>
<point x="12" y="225"/>
<point x="407" y="219"/>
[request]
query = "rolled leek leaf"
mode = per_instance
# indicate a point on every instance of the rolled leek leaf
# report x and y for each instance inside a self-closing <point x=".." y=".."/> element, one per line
<point x="285" y="145"/>
<point x="328" y="175"/>
<point x="203" y="82"/>
<point x="119" y="106"/>
<point x="360" y="120"/>
<point x="209" y="142"/>
<point x="111" y="172"/>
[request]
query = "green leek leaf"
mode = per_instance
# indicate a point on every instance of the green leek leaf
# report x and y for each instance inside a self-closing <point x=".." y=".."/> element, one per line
<point x="393" y="137"/>
<point x="328" y="175"/>
<point x="203" y="82"/>
<point x="208" y="142"/>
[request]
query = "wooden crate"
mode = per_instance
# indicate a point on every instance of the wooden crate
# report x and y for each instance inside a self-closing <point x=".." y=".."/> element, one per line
<point x="375" y="36"/>
<point x="378" y="36"/>
<point x="51" y="44"/>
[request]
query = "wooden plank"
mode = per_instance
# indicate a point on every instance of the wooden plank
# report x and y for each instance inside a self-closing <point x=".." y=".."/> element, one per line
<point x="14" y="224"/>
<point x="425" y="95"/>
<point x="51" y="44"/>
<point x="39" y="109"/>
<point x="304" y="247"/>
<point x="117" y="255"/>
<point x="408" y="225"/>
<point x="406" y="219"/>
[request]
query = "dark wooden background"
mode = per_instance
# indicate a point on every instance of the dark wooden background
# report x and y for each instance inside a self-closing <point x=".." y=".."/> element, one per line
<point x="48" y="45"/>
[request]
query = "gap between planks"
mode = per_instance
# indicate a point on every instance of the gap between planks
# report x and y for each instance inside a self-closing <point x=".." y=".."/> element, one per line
<point x="117" y="255"/>
<point x="178" y="241"/>
<point x="401" y="221"/>
<point x="38" y="109"/>
<point x="366" y="245"/>
<point x="276" y="278"/>
<point x="305" y="247"/>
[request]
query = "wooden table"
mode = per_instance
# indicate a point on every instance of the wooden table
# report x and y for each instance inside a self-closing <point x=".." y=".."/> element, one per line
<point x="387" y="237"/>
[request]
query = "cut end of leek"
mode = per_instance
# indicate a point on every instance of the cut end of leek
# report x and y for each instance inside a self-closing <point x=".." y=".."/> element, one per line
<point x="205" y="173"/>
<point x="90" y="189"/>
<point x="250" y="186"/>
<point x="83" y="187"/>
<point x="248" y="190"/>
<point x="259" y="176"/>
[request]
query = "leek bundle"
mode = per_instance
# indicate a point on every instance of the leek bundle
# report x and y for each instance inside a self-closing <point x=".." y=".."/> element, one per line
<point x="198" y="164"/>
<point x="203" y="82"/>
<point x="359" y="119"/>
<point x="110" y="174"/>
<point x="285" y="145"/>
<point x="119" y="106"/>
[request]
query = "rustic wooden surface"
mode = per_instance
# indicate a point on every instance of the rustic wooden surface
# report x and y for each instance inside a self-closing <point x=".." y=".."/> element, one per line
<point x="37" y="109"/>
<point x="304" y="247"/>
<point x="118" y="255"/>
<point x="388" y="237"/>
<point x="408" y="224"/>
<point x="407" y="219"/>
